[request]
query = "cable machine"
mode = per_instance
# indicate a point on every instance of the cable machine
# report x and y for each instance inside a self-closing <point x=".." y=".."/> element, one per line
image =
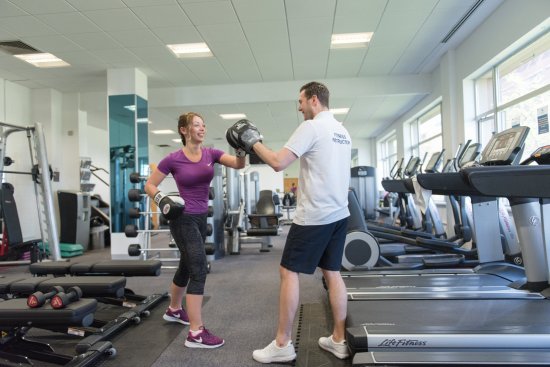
<point x="41" y="179"/>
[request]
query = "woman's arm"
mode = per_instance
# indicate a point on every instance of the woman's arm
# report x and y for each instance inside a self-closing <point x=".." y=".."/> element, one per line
<point x="232" y="161"/>
<point x="151" y="186"/>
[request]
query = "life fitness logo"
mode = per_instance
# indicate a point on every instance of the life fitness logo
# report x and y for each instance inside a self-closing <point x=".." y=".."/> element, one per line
<point x="403" y="343"/>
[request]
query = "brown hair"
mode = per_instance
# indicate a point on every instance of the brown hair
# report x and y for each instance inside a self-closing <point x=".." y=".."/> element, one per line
<point x="185" y="120"/>
<point x="316" y="89"/>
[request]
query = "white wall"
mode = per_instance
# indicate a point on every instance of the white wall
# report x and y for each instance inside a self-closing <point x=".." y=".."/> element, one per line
<point x="512" y="24"/>
<point x="17" y="108"/>
<point x="98" y="150"/>
<point x="504" y="30"/>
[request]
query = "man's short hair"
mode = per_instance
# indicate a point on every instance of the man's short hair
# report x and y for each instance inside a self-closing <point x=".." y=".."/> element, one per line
<point x="316" y="89"/>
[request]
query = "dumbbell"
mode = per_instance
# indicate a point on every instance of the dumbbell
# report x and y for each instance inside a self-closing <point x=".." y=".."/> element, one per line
<point x="62" y="299"/>
<point x="209" y="229"/>
<point x="135" y="177"/>
<point x="8" y="161"/>
<point x="134" y="213"/>
<point x="38" y="299"/>
<point x="131" y="230"/>
<point x="135" y="194"/>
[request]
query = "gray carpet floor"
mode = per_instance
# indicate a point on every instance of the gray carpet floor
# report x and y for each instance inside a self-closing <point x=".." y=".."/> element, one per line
<point x="242" y="309"/>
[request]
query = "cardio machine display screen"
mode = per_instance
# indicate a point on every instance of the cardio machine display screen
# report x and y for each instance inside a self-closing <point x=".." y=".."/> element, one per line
<point x="505" y="147"/>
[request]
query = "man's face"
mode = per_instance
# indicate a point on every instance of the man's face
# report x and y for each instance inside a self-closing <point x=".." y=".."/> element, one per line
<point x="305" y="106"/>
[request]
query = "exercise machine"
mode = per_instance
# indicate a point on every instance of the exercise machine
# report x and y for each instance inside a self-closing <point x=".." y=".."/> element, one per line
<point x="488" y="327"/>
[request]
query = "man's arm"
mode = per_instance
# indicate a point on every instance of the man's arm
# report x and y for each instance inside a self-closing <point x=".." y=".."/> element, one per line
<point x="276" y="160"/>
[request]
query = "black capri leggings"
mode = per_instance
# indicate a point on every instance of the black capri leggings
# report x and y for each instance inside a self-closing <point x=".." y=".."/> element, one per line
<point x="189" y="232"/>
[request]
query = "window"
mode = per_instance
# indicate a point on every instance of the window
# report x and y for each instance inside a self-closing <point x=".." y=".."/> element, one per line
<point x="387" y="155"/>
<point x="516" y="92"/>
<point x="425" y="134"/>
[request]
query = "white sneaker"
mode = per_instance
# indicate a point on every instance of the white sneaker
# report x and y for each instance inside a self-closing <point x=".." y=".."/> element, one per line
<point x="340" y="350"/>
<point x="273" y="353"/>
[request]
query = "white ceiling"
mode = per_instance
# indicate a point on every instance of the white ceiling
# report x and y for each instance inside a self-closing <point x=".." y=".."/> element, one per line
<point x="264" y="50"/>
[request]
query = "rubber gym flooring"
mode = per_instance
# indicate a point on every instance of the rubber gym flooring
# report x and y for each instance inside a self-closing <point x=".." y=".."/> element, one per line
<point x="241" y="305"/>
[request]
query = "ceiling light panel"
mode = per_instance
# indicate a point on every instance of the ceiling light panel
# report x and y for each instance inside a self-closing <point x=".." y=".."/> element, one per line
<point x="350" y="40"/>
<point x="191" y="50"/>
<point x="339" y="111"/>
<point x="163" y="132"/>
<point x="232" y="116"/>
<point x="43" y="60"/>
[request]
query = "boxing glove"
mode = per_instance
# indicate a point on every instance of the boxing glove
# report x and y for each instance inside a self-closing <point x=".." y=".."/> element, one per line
<point x="170" y="206"/>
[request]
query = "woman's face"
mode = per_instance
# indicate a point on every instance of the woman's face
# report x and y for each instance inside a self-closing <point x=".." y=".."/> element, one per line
<point x="195" y="131"/>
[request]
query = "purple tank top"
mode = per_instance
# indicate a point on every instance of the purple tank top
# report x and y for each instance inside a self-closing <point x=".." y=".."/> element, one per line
<point x="192" y="178"/>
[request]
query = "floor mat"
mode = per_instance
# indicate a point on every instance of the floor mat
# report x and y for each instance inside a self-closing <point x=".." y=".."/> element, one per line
<point x="314" y="321"/>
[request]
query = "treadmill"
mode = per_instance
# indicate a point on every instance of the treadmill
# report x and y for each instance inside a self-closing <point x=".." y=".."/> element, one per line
<point x="494" y="278"/>
<point x="470" y="331"/>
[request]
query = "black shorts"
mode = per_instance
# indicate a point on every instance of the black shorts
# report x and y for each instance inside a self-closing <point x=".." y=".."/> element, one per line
<point x="309" y="247"/>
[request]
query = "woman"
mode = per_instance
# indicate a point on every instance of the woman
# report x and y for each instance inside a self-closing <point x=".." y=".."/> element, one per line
<point x="193" y="169"/>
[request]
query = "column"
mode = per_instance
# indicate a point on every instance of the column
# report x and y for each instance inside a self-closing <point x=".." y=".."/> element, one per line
<point x="128" y="148"/>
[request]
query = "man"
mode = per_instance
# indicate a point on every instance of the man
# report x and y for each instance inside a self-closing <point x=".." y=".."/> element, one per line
<point x="317" y="235"/>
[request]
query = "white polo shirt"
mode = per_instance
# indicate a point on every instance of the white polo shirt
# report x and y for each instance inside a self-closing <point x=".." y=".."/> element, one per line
<point x="324" y="148"/>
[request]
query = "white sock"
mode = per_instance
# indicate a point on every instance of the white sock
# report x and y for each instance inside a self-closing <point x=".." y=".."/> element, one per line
<point x="284" y="346"/>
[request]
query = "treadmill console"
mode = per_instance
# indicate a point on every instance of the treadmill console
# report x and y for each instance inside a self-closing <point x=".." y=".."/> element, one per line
<point x="541" y="156"/>
<point x="504" y="146"/>
<point x="434" y="162"/>
<point x="412" y="166"/>
<point x="470" y="155"/>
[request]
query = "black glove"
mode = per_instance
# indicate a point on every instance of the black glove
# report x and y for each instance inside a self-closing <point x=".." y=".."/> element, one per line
<point x="170" y="206"/>
<point x="243" y="134"/>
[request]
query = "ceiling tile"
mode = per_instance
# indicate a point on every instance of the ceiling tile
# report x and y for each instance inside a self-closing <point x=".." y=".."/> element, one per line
<point x="179" y="34"/>
<point x="407" y="6"/>
<point x="399" y="28"/>
<point x="268" y="35"/>
<point x="51" y="44"/>
<point x="82" y="57"/>
<point x="94" y="41"/>
<point x="69" y="23"/>
<point x="27" y="26"/>
<point x="310" y="50"/>
<point x="162" y="16"/>
<point x="237" y="61"/>
<point x="259" y="10"/>
<point x="380" y="60"/>
<point x="43" y="7"/>
<point x="207" y="69"/>
<point x="154" y="53"/>
<point x="7" y="9"/>
<point x="227" y="32"/>
<point x="84" y="5"/>
<point x="6" y="36"/>
<point x="136" y="38"/>
<point x="114" y="19"/>
<point x="345" y="63"/>
<point x="274" y="66"/>
<point x="310" y="8"/>
<point x="213" y="12"/>
<point x="134" y="3"/>
<point x="270" y="46"/>
<point x="118" y="57"/>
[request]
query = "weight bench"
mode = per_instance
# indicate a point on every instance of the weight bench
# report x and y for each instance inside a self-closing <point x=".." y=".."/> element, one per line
<point x="16" y="319"/>
<point x="126" y="268"/>
<point x="107" y="289"/>
<point x="100" y="286"/>
<point x="15" y="312"/>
